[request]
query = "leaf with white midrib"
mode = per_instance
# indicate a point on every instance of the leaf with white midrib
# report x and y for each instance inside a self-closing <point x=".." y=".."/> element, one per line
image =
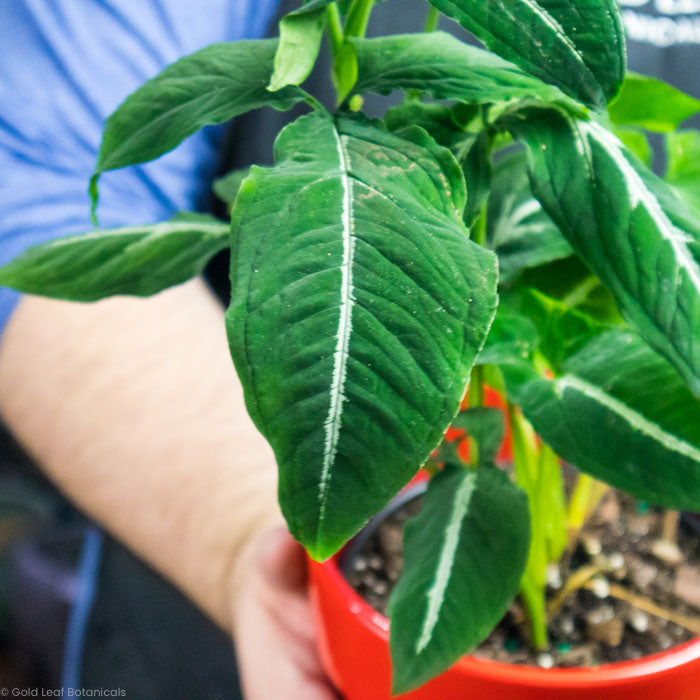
<point x="464" y="556"/>
<point x="340" y="358"/>
<point x="629" y="226"/>
<point x="358" y="306"/>
<point x="622" y="414"/>
<point x="579" y="47"/>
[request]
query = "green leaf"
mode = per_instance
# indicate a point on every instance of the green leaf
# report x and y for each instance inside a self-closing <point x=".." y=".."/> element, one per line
<point x="300" y="40"/>
<point x="577" y="45"/>
<point x="630" y="227"/>
<point x="562" y="331"/>
<point x="444" y="67"/>
<point x="519" y="230"/>
<point x="447" y="124"/>
<point x="622" y="414"/>
<point x="486" y="426"/>
<point x="636" y="142"/>
<point x="138" y="260"/>
<point x="344" y="72"/>
<point x="226" y="187"/>
<point x="209" y="86"/>
<point x="683" y="166"/>
<point x="651" y="104"/>
<point x="478" y="173"/>
<point x="512" y="337"/>
<point x="464" y="555"/>
<point x="358" y="306"/>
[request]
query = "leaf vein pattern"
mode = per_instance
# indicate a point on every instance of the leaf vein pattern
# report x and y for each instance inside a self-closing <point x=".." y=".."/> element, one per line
<point x="340" y="357"/>
<point x="636" y="420"/>
<point x="436" y="594"/>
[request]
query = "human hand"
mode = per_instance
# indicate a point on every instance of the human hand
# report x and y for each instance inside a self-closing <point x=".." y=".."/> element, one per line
<point x="273" y="629"/>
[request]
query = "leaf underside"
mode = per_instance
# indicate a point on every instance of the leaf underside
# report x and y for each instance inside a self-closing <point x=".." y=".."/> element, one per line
<point x="358" y="306"/>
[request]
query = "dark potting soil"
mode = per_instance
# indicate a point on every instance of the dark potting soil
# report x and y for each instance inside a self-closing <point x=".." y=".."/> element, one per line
<point x="619" y="614"/>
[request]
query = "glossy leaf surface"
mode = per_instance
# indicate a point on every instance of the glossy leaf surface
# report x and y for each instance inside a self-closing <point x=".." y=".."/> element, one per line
<point x="578" y="45"/>
<point x="358" y="306"/>
<point x="628" y="225"/>
<point x="464" y="556"/>
<point x="622" y="414"/>
<point x="138" y="260"/>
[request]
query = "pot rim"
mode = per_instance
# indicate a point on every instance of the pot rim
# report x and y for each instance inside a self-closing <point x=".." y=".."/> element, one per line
<point x="578" y="677"/>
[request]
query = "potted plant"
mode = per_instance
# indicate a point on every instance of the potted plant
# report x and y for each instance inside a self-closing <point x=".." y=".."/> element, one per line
<point x="366" y="293"/>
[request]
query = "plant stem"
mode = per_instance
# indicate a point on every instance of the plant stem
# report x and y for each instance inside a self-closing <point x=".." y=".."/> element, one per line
<point x="529" y="475"/>
<point x="431" y="23"/>
<point x="479" y="227"/>
<point x="524" y="448"/>
<point x="534" y="599"/>
<point x="475" y="397"/>
<point x="358" y="17"/>
<point x="335" y="28"/>
<point x="581" y="291"/>
<point x="577" y="510"/>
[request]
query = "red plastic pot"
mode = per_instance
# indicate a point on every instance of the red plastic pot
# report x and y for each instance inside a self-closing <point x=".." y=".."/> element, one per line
<point x="354" y="646"/>
<point x="353" y="641"/>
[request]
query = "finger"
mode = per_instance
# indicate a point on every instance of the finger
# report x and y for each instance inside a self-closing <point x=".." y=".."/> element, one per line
<point x="282" y="560"/>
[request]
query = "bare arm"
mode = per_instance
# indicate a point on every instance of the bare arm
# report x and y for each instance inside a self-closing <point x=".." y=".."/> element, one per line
<point x="133" y="408"/>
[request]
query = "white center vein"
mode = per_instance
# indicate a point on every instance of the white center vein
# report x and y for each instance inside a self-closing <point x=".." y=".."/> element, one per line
<point x="443" y="572"/>
<point x="340" y="357"/>
<point x="639" y="193"/>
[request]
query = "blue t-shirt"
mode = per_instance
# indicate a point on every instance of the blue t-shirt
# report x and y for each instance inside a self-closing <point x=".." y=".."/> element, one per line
<point x="64" y="67"/>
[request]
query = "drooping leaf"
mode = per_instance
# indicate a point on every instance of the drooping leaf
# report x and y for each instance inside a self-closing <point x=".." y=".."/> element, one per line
<point x="226" y="187"/>
<point x="628" y="225"/>
<point x="300" y="40"/>
<point x="683" y="166"/>
<point x="577" y="45"/>
<point x="622" y="414"/>
<point x="209" y="86"/>
<point x="519" y="230"/>
<point x="464" y="556"/>
<point x="358" y="306"/>
<point x="138" y="260"/>
<point x="651" y="104"/>
<point x="444" y="67"/>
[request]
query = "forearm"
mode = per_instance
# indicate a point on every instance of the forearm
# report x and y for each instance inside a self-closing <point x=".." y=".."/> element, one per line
<point x="133" y="408"/>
